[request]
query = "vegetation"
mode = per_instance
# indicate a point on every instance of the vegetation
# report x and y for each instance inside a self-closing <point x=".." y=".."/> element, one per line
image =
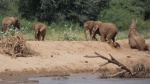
<point x="66" y="17"/>
<point x="77" y="11"/>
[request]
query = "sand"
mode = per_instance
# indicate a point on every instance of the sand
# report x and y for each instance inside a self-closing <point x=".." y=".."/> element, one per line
<point x="68" y="57"/>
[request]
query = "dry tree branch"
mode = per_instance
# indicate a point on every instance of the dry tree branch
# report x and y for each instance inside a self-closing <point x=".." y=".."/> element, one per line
<point x="100" y="67"/>
<point x="112" y="60"/>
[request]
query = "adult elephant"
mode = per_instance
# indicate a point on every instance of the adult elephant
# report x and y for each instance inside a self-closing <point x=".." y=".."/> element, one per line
<point x="89" y="26"/>
<point x="8" y="21"/>
<point x="136" y="41"/>
<point x="40" y="31"/>
<point x="108" y="32"/>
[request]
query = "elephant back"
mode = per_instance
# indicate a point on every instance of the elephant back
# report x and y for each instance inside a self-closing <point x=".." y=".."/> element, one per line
<point x="39" y="27"/>
<point x="35" y="26"/>
<point x="11" y="19"/>
<point x="133" y="32"/>
<point x="42" y="27"/>
<point x="108" y="26"/>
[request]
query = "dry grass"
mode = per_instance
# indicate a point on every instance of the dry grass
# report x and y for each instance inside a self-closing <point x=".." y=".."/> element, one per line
<point x="15" y="46"/>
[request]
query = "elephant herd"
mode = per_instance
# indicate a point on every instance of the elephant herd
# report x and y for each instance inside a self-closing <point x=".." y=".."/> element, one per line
<point x="40" y="28"/>
<point x="107" y="32"/>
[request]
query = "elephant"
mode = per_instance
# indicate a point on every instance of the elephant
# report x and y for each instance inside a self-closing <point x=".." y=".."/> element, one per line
<point x="40" y="31"/>
<point x="133" y="26"/>
<point x="89" y="26"/>
<point x="108" y="32"/>
<point x="136" y="41"/>
<point x="8" y="21"/>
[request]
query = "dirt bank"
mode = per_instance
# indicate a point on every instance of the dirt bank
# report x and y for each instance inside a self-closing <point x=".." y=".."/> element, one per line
<point x="68" y="56"/>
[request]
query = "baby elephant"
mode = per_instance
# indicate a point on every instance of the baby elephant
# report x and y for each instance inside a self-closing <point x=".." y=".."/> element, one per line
<point x="40" y="31"/>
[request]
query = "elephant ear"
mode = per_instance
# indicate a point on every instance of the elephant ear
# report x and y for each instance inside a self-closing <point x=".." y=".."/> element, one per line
<point x="85" y="25"/>
<point x="94" y="29"/>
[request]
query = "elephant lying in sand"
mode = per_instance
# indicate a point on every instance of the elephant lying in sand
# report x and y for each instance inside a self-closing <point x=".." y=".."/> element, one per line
<point x="108" y="32"/>
<point x="136" y="41"/>
<point x="89" y="26"/>
<point x="40" y="31"/>
<point x="8" y="21"/>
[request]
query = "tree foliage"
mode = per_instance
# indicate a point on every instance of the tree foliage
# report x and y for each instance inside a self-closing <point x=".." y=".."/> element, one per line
<point x="121" y="12"/>
<point x="62" y="10"/>
<point x="9" y="7"/>
<point x="147" y="10"/>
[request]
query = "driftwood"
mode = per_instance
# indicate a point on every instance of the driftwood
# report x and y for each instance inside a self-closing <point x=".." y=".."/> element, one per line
<point x="114" y="61"/>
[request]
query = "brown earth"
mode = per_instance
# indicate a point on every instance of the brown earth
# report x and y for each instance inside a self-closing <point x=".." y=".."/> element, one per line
<point x="68" y="57"/>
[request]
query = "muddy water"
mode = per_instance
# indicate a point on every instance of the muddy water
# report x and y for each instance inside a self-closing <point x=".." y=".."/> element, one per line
<point x="87" y="80"/>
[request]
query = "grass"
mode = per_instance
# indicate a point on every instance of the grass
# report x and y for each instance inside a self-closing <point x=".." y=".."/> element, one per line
<point x="64" y="32"/>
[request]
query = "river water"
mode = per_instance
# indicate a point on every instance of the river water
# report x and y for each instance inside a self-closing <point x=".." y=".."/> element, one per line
<point x="88" y="80"/>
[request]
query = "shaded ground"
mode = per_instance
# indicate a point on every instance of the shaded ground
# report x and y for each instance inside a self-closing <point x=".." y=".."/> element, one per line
<point x="68" y="57"/>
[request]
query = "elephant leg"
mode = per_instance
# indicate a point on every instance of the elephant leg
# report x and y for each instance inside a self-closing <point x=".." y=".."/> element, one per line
<point x="85" y="32"/>
<point x="94" y="32"/>
<point x="39" y="36"/>
<point x="113" y="39"/>
<point x="43" y="35"/>
<point x="94" y="37"/>
<point x="111" y="42"/>
<point x="35" y="36"/>
<point x="91" y="34"/>
<point x="110" y="39"/>
<point x="103" y="38"/>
